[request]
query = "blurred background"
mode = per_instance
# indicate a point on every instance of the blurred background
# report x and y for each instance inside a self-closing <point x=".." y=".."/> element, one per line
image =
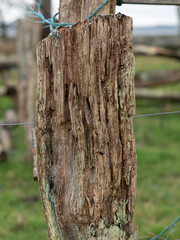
<point x="157" y="81"/>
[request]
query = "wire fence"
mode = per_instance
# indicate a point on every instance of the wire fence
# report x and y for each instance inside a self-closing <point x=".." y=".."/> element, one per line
<point x="52" y="24"/>
<point x="137" y="116"/>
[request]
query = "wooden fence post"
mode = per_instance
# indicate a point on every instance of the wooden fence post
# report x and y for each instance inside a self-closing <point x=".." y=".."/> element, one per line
<point x="85" y="141"/>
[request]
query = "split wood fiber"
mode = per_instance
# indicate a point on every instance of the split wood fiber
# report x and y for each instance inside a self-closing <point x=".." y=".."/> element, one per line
<point x="84" y="127"/>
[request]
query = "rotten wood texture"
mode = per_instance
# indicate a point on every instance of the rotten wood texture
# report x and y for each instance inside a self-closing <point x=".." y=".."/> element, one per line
<point x="157" y="94"/>
<point x="152" y="79"/>
<point x="84" y="128"/>
<point x="72" y="11"/>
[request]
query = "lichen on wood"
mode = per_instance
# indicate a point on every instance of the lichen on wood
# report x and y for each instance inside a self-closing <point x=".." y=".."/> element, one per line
<point x="86" y="147"/>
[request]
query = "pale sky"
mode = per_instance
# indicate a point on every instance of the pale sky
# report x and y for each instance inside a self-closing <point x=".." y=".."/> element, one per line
<point x="150" y="15"/>
<point x="143" y="15"/>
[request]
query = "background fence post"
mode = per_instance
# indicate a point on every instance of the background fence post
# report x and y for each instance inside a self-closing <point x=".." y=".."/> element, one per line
<point x="29" y="34"/>
<point x="73" y="11"/>
<point x="85" y="140"/>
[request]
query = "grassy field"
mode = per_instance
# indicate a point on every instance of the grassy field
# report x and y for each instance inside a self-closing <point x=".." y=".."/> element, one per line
<point x="158" y="156"/>
<point x="158" y="183"/>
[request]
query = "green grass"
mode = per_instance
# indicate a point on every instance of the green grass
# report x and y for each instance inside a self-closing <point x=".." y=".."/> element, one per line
<point x="158" y="161"/>
<point x="19" y="219"/>
<point x="158" y="183"/>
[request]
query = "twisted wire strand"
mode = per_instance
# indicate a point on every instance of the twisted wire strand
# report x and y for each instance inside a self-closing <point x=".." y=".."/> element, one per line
<point x="50" y="22"/>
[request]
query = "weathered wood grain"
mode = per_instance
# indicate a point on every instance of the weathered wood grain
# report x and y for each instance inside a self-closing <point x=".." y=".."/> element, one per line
<point x="72" y="11"/>
<point x="86" y="148"/>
